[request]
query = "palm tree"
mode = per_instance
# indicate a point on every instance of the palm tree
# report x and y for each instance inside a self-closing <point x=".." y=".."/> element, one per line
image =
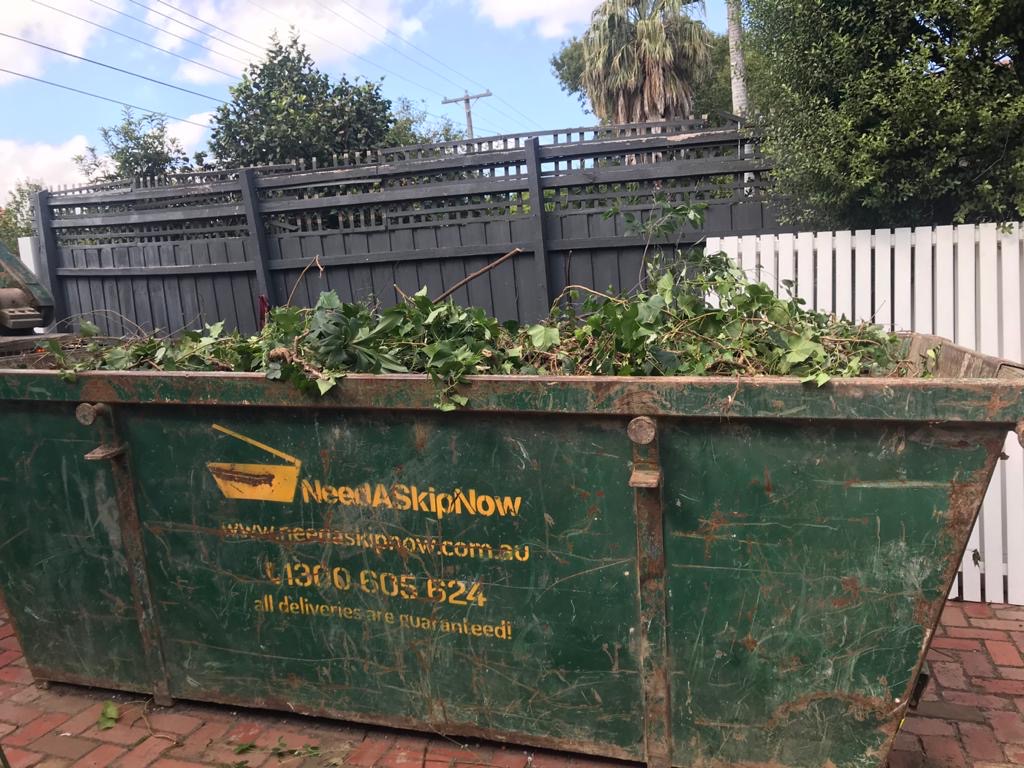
<point x="737" y="61"/>
<point x="641" y="58"/>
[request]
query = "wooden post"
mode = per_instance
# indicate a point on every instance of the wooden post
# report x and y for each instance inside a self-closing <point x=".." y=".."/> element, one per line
<point x="540" y="248"/>
<point x="257" y="234"/>
<point x="48" y="256"/>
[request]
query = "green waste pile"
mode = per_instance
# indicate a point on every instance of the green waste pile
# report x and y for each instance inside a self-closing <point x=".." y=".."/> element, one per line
<point x="700" y="317"/>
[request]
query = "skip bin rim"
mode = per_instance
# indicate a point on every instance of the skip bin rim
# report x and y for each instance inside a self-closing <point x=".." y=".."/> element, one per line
<point x="960" y="400"/>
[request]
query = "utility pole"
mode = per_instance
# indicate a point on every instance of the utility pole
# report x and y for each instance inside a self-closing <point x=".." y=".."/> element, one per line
<point x="467" y="101"/>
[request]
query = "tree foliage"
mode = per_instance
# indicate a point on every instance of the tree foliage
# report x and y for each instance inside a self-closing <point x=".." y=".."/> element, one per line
<point x="285" y="108"/>
<point x="641" y="59"/>
<point x="412" y="125"/>
<point x="135" y="147"/>
<point x="16" y="214"/>
<point x="892" y="112"/>
<point x="567" y="65"/>
<point x="711" y="94"/>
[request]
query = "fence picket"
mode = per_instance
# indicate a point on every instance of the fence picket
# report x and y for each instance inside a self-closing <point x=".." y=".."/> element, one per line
<point x="882" y="298"/>
<point x="786" y="251"/>
<point x="748" y="257"/>
<point x="945" y="283"/>
<point x="902" y="276"/>
<point x="965" y="256"/>
<point x="805" y="267"/>
<point x="1013" y="467"/>
<point x="862" y="309"/>
<point x="923" y="281"/>
<point x="826" y="260"/>
<point x="988" y="342"/>
<point x="844" y="274"/>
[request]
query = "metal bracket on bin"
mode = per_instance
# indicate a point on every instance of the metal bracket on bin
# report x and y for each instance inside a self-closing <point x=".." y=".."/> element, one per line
<point x="646" y="480"/>
<point x="113" y="449"/>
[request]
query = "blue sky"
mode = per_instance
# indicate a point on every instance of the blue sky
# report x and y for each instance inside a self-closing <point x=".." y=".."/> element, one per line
<point x="503" y="45"/>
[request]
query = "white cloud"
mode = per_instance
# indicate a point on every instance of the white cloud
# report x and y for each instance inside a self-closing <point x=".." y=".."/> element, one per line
<point x="191" y="136"/>
<point x="552" y="18"/>
<point x="49" y="164"/>
<point x="42" y="25"/>
<point x="334" y="33"/>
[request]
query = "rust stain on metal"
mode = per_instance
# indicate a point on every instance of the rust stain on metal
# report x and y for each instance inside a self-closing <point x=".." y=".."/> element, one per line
<point x="851" y="590"/>
<point x="99" y="389"/>
<point x="421" y="434"/>
<point x="858" y="705"/>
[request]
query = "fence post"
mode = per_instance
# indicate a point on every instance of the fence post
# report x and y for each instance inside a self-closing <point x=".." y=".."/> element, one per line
<point x="540" y="247"/>
<point x="257" y="233"/>
<point x="48" y="257"/>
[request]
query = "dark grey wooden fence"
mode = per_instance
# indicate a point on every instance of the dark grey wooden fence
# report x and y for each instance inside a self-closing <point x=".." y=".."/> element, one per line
<point x="182" y="251"/>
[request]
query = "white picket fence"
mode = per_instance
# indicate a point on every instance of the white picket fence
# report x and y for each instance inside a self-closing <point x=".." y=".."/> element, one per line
<point x="960" y="282"/>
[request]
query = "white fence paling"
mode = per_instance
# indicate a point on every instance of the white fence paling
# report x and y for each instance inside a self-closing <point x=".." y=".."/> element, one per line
<point x="960" y="282"/>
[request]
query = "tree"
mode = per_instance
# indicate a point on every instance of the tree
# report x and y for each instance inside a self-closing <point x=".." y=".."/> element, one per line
<point x="892" y="112"/>
<point x="641" y="59"/>
<point x="16" y="215"/>
<point x="285" y="108"/>
<point x="567" y="65"/>
<point x="713" y="95"/>
<point x="737" y="62"/>
<point x="135" y="147"/>
<point x="413" y="125"/>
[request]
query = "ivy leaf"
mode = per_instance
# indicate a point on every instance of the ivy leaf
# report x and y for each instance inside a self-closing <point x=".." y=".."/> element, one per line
<point x="543" y="337"/>
<point x="109" y="715"/>
<point x="802" y="349"/>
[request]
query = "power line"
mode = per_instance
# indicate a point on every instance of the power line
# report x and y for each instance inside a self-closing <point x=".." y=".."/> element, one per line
<point x="167" y="32"/>
<point x="103" y="98"/>
<point x="194" y="29"/>
<point x="111" y="66"/>
<point x="433" y="58"/>
<point x="215" y="69"/>
<point x="348" y="52"/>
<point x="134" y="39"/>
<point x="208" y="23"/>
<point x="399" y="51"/>
<point x="266" y="10"/>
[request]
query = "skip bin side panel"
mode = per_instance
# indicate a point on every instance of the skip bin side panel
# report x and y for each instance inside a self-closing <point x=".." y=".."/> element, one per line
<point x="807" y="565"/>
<point x="63" y="569"/>
<point x="451" y="572"/>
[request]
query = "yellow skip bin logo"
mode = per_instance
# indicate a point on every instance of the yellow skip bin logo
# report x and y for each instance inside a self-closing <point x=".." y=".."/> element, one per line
<point x="257" y="482"/>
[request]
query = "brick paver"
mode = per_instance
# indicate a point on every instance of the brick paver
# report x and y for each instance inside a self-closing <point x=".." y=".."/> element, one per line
<point x="972" y="716"/>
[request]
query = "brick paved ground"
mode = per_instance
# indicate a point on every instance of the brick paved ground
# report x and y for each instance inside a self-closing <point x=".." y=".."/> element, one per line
<point x="971" y="716"/>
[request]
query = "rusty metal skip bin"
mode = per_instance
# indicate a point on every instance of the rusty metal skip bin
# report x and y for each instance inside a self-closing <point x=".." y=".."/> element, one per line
<point x="685" y="572"/>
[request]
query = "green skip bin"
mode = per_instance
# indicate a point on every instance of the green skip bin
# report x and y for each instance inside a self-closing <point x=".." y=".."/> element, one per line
<point x="681" y="571"/>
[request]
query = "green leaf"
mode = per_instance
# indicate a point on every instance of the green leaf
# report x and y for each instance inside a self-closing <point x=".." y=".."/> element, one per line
<point x="802" y="349"/>
<point x="88" y="329"/>
<point x="109" y="715"/>
<point x="543" y="337"/>
<point x="244" y="747"/>
<point x="325" y="384"/>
